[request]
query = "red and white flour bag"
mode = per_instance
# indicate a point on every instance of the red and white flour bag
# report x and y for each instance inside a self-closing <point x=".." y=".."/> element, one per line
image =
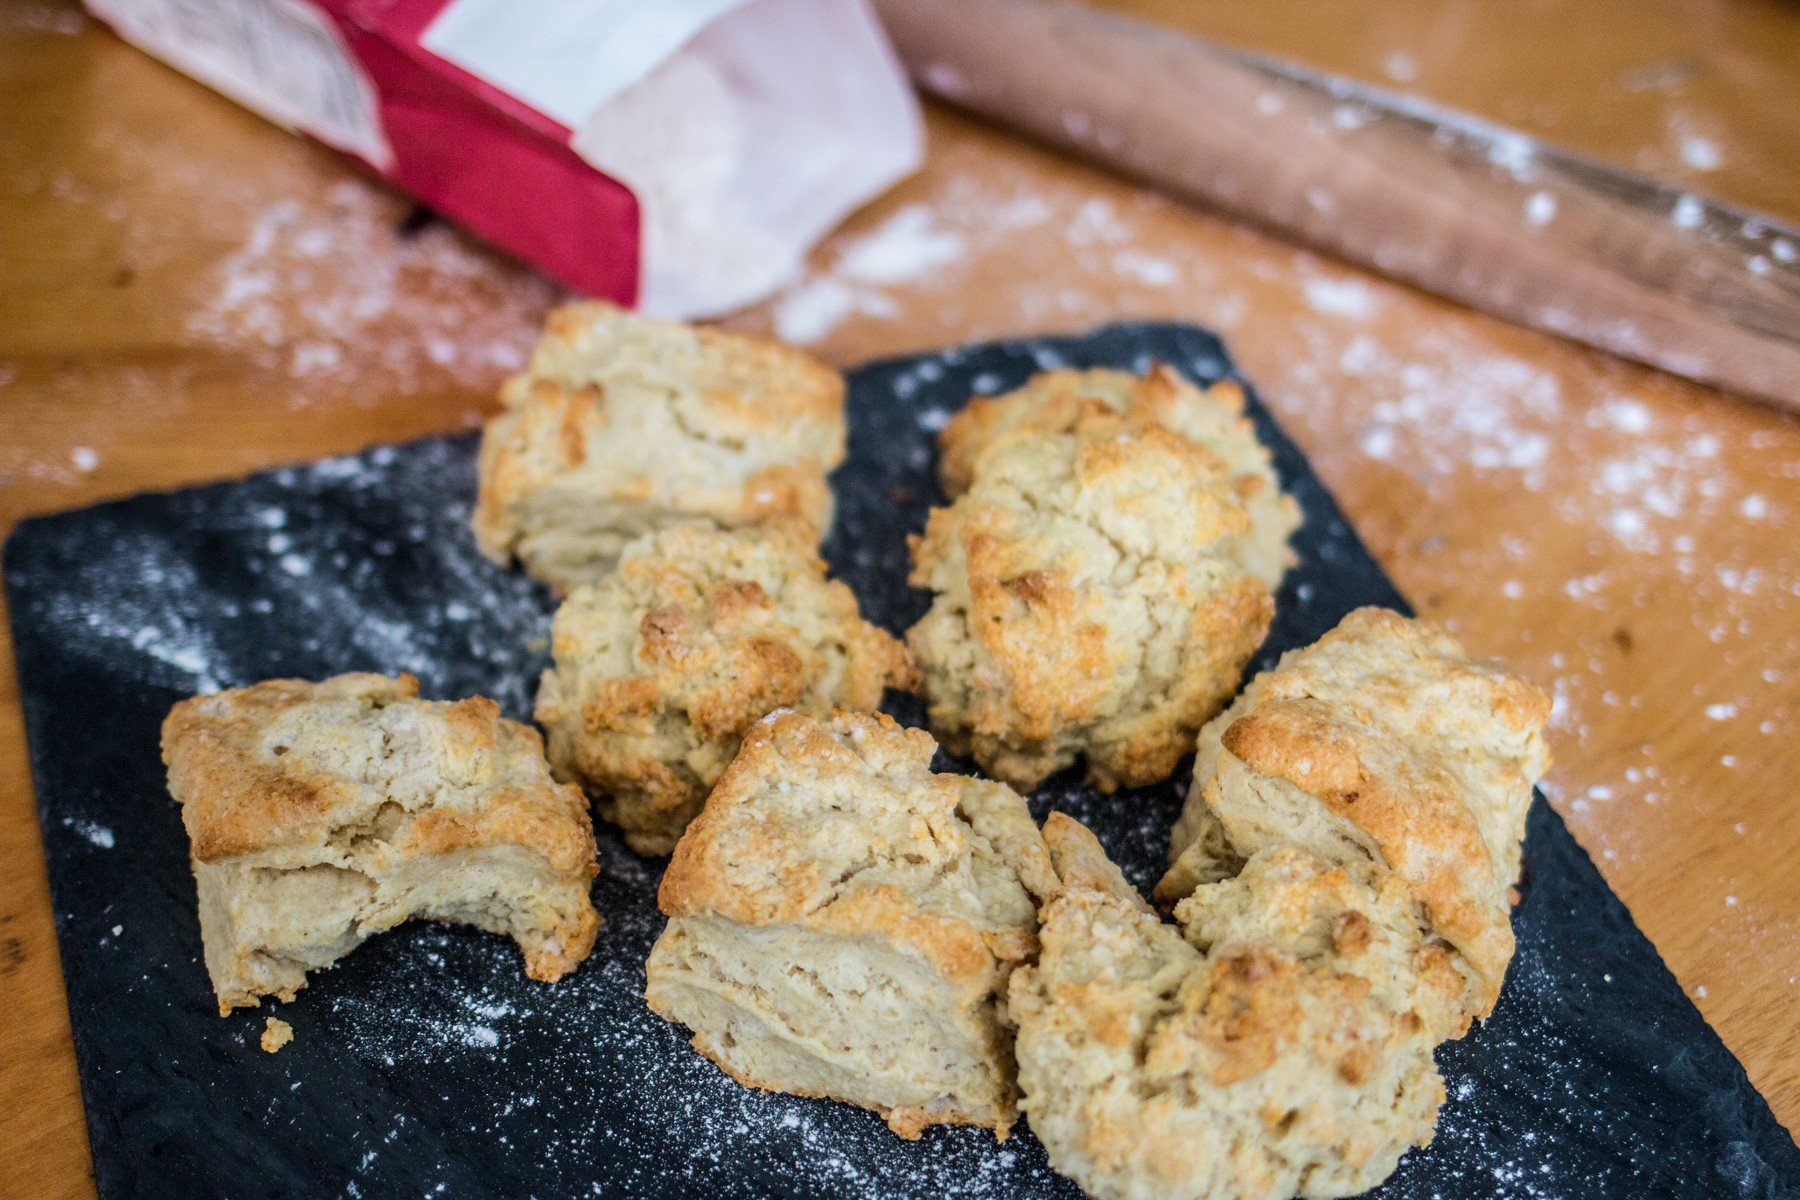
<point x="676" y="155"/>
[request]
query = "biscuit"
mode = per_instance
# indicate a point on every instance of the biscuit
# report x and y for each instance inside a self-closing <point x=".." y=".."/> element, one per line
<point x="1087" y="603"/>
<point x="319" y="814"/>
<point x="700" y="633"/>
<point x="842" y="923"/>
<point x="624" y="424"/>
<point x="1052" y="401"/>
<point x="1382" y="742"/>
<point x="1277" y="1042"/>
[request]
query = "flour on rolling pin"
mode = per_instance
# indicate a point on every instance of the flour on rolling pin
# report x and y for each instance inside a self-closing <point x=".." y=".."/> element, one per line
<point x="678" y="156"/>
<point x="1458" y="206"/>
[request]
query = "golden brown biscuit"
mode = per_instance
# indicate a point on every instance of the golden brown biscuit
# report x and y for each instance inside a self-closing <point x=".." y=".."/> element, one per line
<point x="1382" y="741"/>
<point x="319" y="814"/>
<point x="623" y="425"/>
<point x="1088" y="602"/>
<point x="1052" y="401"/>
<point x="842" y="923"/>
<point x="699" y="634"/>
<point x="1277" y="1042"/>
<point x="1341" y="891"/>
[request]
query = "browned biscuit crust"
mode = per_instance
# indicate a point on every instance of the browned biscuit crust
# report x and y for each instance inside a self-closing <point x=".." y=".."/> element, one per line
<point x="1052" y="402"/>
<point x="1276" y="1041"/>
<point x="700" y="633"/>
<point x="321" y="813"/>
<point x="842" y="922"/>
<point x="1087" y="603"/>
<point x="1382" y="741"/>
<point x="623" y="425"/>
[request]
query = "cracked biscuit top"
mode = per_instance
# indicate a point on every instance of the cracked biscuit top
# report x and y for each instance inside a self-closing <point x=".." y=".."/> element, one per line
<point x="839" y="825"/>
<point x="1088" y="602"/>
<point x="624" y="424"/>
<point x="1276" y="1041"/>
<point x="842" y="922"/>
<point x="1053" y="401"/>
<point x="280" y="769"/>
<point x="660" y="668"/>
<point x="1383" y="743"/>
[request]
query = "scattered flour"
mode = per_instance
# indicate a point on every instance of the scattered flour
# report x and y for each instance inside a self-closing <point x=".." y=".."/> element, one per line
<point x="95" y="833"/>
<point x="1694" y="136"/>
<point x="807" y="313"/>
<point x="905" y="250"/>
<point x="330" y="292"/>
<point x="904" y="247"/>
<point x="1511" y="151"/>
<point x="1342" y="297"/>
<point x="1450" y="412"/>
<point x="1400" y="66"/>
<point x="1702" y="154"/>
<point x="927" y="247"/>
<point x="1627" y="415"/>
<point x="1144" y="268"/>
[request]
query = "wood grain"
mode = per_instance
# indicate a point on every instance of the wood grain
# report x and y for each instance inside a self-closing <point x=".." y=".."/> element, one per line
<point x="1489" y="467"/>
<point x="1454" y="204"/>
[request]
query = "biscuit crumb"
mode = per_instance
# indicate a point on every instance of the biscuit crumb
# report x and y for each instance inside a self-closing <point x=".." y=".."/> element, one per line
<point x="276" y="1034"/>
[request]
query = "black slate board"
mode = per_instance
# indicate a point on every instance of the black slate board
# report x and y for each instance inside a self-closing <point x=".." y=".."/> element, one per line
<point x="426" y="1064"/>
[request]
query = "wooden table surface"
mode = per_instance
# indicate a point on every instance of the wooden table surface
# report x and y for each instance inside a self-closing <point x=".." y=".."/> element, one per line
<point x="187" y="293"/>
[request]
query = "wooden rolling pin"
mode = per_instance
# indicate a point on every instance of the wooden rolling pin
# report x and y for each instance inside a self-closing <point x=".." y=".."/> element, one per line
<point x="1458" y="206"/>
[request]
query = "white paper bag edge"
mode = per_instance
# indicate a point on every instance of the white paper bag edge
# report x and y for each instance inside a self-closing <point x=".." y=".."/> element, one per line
<point x="566" y="58"/>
